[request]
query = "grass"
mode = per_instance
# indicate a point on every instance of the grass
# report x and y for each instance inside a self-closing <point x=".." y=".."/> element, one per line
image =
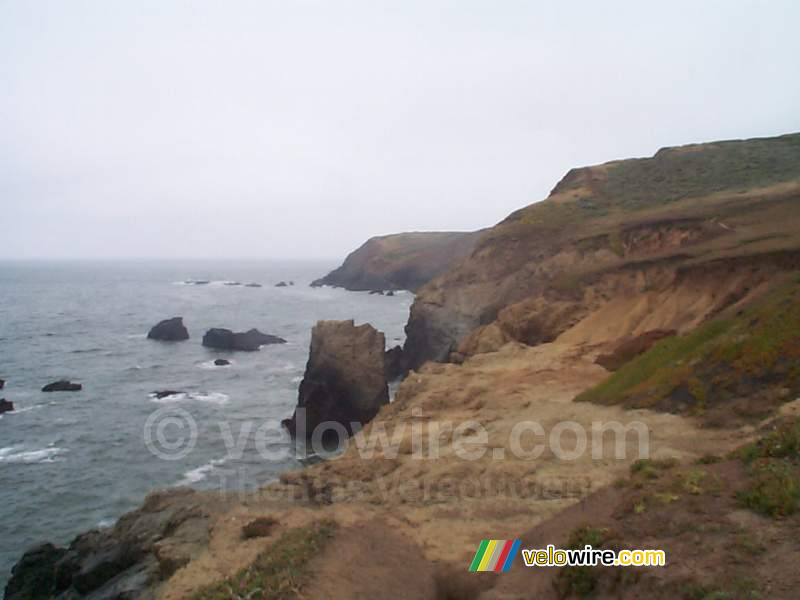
<point x="278" y="572"/>
<point x="580" y="581"/>
<point x="720" y="360"/>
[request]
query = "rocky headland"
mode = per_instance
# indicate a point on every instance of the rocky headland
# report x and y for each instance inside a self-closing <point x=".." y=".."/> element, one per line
<point x="401" y="261"/>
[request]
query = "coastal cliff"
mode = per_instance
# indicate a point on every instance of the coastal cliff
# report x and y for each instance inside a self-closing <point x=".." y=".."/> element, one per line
<point x="401" y="261"/>
<point x="680" y="272"/>
<point x="620" y="249"/>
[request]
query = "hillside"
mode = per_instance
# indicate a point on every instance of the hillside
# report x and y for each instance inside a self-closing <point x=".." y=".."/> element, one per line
<point x="400" y="261"/>
<point x="622" y="249"/>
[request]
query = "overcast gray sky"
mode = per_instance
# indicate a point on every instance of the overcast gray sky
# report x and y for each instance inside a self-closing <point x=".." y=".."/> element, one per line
<point x="300" y="128"/>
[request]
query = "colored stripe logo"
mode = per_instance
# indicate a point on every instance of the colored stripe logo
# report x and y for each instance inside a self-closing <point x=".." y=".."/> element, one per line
<point x="495" y="555"/>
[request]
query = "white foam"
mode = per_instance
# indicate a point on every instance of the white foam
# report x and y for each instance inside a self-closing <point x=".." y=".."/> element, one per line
<point x="45" y="455"/>
<point x="297" y="379"/>
<point x="210" y="397"/>
<point x="200" y="473"/>
<point x="179" y="397"/>
<point x="17" y="411"/>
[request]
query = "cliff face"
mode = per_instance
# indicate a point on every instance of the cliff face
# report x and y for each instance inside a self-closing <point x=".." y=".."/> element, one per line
<point x="621" y="249"/>
<point x="401" y="261"/>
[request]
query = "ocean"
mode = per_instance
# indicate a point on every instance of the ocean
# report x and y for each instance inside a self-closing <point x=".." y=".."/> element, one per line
<point x="69" y="461"/>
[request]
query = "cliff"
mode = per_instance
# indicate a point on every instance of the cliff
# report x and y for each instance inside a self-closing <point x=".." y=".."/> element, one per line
<point x="682" y="273"/>
<point x="400" y="261"/>
<point x="621" y="249"/>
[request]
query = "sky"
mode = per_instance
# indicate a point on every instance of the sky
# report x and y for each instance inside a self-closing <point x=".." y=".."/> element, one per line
<point x="298" y="129"/>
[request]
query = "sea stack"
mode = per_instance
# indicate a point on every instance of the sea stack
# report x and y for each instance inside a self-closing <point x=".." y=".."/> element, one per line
<point x="345" y="378"/>
<point x="248" y="341"/>
<point x="169" y="330"/>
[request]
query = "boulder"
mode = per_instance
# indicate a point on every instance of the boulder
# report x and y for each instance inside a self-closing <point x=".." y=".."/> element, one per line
<point x="252" y="285"/>
<point x="62" y="386"/>
<point x="373" y="292"/>
<point x="281" y="284"/>
<point x="221" y="362"/>
<point x="395" y="363"/>
<point x="169" y="330"/>
<point x="2" y="383"/>
<point x="6" y="406"/>
<point x="390" y="293"/>
<point x="345" y="378"/>
<point x="249" y="341"/>
<point x="232" y="283"/>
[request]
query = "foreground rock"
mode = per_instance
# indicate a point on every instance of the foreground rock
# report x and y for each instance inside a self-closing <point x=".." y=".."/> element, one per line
<point x="6" y="406"/>
<point x="248" y="341"/>
<point x="405" y="261"/>
<point x="221" y="362"/>
<point x="169" y="330"/>
<point x="127" y="560"/>
<point x="345" y="378"/>
<point x="62" y="386"/>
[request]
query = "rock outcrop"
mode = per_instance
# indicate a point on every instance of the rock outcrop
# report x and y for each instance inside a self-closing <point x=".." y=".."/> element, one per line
<point x="62" y="386"/>
<point x="620" y="249"/>
<point x="127" y="560"/>
<point x="248" y="341"/>
<point x="395" y="363"/>
<point x="345" y="378"/>
<point x="401" y="261"/>
<point x="6" y="406"/>
<point x="2" y="383"/>
<point x="169" y="330"/>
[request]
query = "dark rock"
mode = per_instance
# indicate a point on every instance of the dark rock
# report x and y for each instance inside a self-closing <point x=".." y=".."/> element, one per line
<point x="281" y="284"/>
<point x="379" y="292"/>
<point x="345" y="378"/>
<point x="159" y="394"/>
<point x="395" y="363"/>
<point x="62" y="386"/>
<point x="197" y="282"/>
<point x="252" y="285"/>
<point x="225" y="339"/>
<point x="390" y="293"/>
<point x="2" y="383"/>
<point x="127" y="560"/>
<point x="291" y="283"/>
<point x="6" y="406"/>
<point x="232" y="283"/>
<point x="221" y="362"/>
<point x="34" y="576"/>
<point x="169" y="330"/>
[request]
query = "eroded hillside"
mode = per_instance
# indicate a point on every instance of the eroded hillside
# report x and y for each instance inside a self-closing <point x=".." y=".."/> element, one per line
<point x="621" y="249"/>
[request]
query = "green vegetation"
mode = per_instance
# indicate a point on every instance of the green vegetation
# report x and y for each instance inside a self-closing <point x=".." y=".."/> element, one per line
<point x="773" y="464"/>
<point x="677" y="173"/>
<point x="671" y="175"/>
<point x="725" y="359"/>
<point x="649" y="468"/>
<point x="774" y="490"/>
<point x="580" y="581"/>
<point x="278" y="572"/>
